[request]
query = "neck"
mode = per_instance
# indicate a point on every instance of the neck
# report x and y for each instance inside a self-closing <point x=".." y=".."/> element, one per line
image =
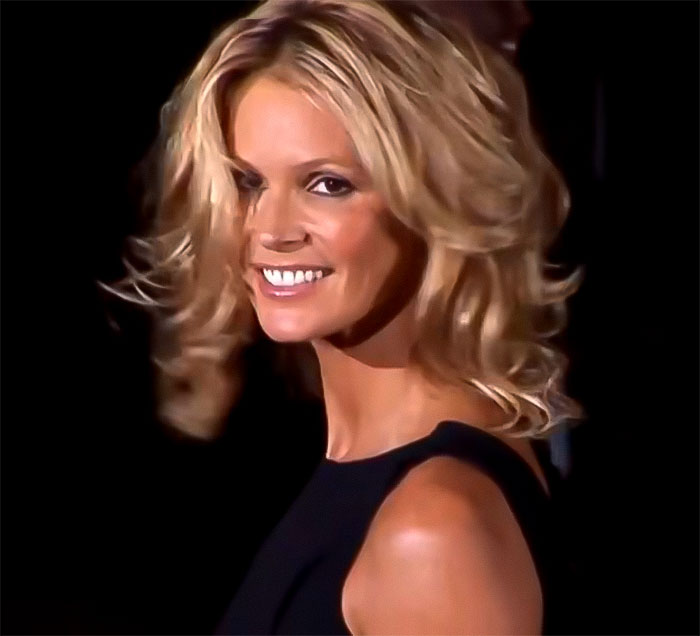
<point x="365" y="391"/>
<point x="376" y="398"/>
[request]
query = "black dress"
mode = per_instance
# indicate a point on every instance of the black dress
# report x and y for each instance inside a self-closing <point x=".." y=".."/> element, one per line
<point x="295" y="582"/>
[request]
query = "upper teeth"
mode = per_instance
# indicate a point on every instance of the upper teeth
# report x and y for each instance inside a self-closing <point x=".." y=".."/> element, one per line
<point x="288" y="278"/>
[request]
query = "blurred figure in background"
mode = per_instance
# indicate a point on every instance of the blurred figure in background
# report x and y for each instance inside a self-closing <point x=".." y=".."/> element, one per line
<point x="499" y="24"/>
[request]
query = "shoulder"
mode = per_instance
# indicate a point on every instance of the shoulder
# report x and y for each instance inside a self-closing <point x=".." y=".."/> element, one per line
<point x="444" y="554"/>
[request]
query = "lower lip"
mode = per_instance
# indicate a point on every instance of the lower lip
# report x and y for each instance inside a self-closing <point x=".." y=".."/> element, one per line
<point x="275" y="291"/>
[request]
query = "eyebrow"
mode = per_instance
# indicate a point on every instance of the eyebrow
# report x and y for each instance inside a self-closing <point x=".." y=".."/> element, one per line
<point x="304" y="165"/>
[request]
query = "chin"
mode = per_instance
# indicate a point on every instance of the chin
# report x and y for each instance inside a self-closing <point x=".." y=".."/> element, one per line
<point x="288" y="331"/>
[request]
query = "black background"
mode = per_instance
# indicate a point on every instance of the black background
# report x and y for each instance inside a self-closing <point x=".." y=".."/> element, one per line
<point x="110" y="525"/>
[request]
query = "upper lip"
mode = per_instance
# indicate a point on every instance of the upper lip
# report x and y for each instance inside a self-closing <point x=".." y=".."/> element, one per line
<point x="293" y="267"/>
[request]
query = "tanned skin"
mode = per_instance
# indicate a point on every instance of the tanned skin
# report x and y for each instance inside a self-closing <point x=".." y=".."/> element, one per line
<point x="444" y="553"/>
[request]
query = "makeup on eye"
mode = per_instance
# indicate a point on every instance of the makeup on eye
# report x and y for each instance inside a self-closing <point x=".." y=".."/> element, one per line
<point x="246" y="180"/>
<point x="333" y="184"/>
<point x="333" y="179"/>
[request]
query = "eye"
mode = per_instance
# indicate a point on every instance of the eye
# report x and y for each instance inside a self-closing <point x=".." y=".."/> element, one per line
<point x="247" y="181"/>
<point x="332" y="186"/>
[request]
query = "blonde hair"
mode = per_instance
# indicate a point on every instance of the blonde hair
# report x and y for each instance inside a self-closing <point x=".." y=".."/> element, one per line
<point x="441" y="123"/>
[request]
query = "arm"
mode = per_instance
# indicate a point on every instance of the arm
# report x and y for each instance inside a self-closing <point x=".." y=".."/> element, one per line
<point x="444" y="555"/>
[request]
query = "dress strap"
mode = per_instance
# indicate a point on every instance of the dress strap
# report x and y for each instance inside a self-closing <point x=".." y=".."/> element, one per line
<point x="485" y="451"/>
<point x="532" y="507"/>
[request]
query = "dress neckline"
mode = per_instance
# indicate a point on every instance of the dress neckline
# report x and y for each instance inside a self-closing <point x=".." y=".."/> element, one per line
<point x="399" y="449"/>
<point x="444" y="427"/>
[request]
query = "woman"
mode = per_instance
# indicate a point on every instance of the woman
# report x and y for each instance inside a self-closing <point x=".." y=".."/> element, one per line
<point x="363" y="177"/>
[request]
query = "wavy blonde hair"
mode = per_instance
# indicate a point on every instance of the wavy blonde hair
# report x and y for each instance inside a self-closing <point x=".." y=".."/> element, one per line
<point x="441" y="123"/>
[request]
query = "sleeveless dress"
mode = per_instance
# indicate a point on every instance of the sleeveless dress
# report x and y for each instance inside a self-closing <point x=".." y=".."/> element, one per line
<point x="295" y="583"/>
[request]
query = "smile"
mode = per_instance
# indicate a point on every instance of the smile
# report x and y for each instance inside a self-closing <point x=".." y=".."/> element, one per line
<point x="289" y="278"/>
<point x="285" y="283"/>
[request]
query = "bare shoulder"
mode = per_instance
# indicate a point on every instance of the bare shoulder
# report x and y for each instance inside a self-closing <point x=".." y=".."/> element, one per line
<point x="444" y="555"/>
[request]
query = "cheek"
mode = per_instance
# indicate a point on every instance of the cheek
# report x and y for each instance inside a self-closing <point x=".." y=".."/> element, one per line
<point x="360" y="240"/>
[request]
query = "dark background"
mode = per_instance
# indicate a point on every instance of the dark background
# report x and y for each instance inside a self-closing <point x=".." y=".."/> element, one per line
<point x="110" y="525"/>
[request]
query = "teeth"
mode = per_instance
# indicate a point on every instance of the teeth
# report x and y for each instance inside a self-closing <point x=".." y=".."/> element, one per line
<point x="288" y="278"/>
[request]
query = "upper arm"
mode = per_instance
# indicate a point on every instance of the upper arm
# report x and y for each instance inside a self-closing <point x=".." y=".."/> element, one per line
<point x="444" y="555"/>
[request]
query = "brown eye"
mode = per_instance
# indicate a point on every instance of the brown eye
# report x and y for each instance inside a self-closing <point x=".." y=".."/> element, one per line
<point x="332" y="187"/>
<point x="247" y="181"/>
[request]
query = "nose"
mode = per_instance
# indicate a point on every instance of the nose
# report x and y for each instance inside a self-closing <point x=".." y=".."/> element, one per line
<point x="277" y="224"/>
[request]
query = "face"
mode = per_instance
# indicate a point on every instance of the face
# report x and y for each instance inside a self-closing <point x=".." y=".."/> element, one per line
<point x="325" y="258"/>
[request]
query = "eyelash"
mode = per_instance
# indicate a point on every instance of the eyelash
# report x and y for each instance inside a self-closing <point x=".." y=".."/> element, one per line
<point x="243" y="182"/>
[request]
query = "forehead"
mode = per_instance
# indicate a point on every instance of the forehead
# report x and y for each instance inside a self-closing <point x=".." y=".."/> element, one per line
<point x="273" y="122"/>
